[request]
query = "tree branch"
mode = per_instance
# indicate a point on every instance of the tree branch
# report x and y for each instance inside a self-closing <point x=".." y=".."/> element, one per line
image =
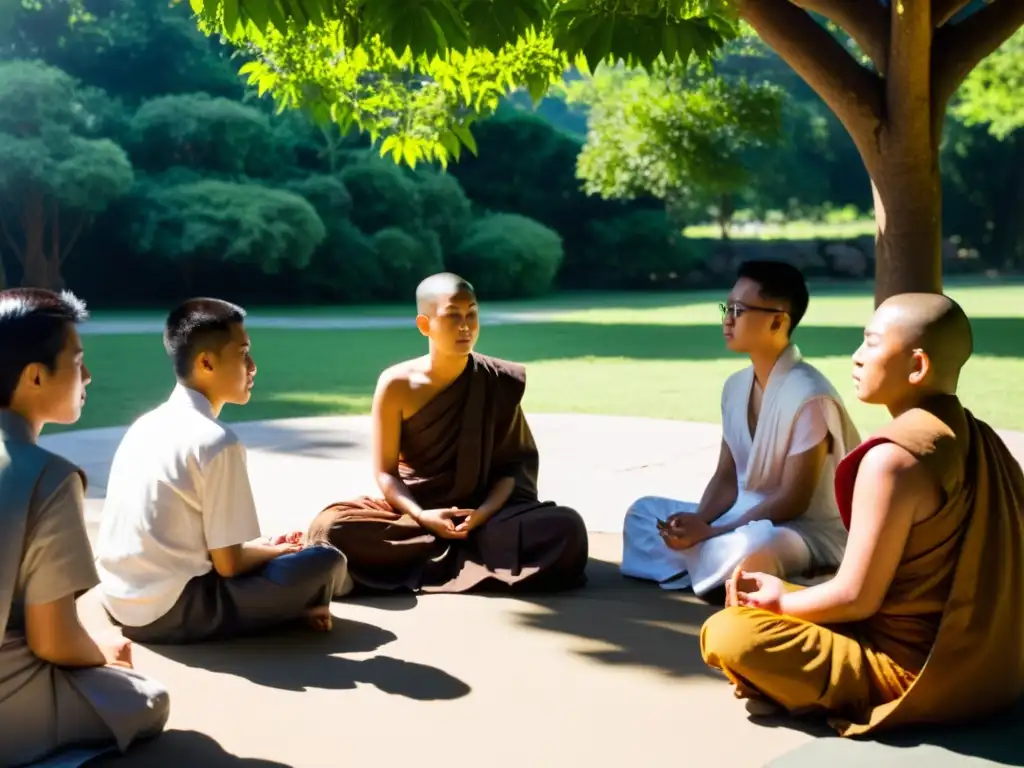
<point x="944" y="10"/>
<point x="852" y="92"/>
<point x="866" y="22"/>
<point x="75" y="234"/>
<point x="958" y="49"/>
<point x="18" y="252"/>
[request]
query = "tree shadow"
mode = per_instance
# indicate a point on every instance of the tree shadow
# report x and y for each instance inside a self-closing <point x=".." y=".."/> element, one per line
<point x="995" y="741"/>
<point x="640" y="624"/>
<point x="174" y="749"/>
<point x="297" y="659"/>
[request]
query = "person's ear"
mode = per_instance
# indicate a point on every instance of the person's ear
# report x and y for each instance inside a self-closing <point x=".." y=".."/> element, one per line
<point x="920" y="366"/>
<point x="204" y="363"/>
<point x="33" y="375"/>
<point x="423" y="324"/>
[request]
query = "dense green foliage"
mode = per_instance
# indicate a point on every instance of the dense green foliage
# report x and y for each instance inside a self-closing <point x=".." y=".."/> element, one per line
<point x="991" y="95"/>
<point x="677" y="135"/>
<point x="137" y="165"/>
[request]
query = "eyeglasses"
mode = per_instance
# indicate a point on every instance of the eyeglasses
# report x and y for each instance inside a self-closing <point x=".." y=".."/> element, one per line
<point x="736" y="310"/>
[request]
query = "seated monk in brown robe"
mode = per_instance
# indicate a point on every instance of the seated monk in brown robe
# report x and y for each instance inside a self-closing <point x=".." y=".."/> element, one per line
<point x="457" y="466"/>
<point x="922" y="622"/>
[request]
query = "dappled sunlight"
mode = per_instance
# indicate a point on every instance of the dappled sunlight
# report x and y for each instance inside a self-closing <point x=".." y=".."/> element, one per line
<point x="338" y="403"/>
<point x="622" y="622"/>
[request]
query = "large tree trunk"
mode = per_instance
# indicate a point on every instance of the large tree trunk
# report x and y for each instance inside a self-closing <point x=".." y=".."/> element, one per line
<point x="901" y="154"/>
<point x="894" y="114"/>
<point x="908" y="241"/>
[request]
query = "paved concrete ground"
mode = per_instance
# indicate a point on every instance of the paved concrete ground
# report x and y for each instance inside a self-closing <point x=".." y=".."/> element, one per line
<point x="602" y="676"/>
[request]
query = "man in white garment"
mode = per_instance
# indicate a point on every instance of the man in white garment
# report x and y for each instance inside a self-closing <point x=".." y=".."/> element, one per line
<point x="180" y="555"/>
<point x="770" y="505"/>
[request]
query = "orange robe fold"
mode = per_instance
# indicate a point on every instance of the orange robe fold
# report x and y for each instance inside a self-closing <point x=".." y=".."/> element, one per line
<point x="947" y="644"/>
<point x="453" y="451"/>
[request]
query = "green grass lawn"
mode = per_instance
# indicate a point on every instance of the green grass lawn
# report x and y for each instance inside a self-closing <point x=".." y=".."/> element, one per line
<point x="651" y="355"/>
<point x="789" y="230"/>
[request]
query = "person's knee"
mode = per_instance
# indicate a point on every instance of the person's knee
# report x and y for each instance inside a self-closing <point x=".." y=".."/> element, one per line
<point x="643" y="508"/>
<point x="158" y="704"/>
<point x="728" y="639"/>
<point x="763" y="560"/>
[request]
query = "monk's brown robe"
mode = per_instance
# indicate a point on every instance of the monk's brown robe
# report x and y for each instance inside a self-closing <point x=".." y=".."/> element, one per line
<point x="947" y="645"/>
<point x="453" y="451"/>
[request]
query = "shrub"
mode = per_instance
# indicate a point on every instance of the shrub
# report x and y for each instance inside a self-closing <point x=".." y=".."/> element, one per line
<point x="638" y="250"/>
<point x="445" y="207"/>
<point x="404" y="261"/>
<point x="383" y="195"/>
<point x="506" y="255"/>
<point x="217" y="221"/>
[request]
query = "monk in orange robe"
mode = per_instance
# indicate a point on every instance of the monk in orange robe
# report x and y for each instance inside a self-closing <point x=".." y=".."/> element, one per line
<point x="457" y="466"/>
<point x="922" y="622"/>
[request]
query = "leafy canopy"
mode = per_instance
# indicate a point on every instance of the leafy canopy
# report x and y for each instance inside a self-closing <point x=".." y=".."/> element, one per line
<point x="417" y="73"/>
<point x="675" y="135"/>
<point x="993" y="94"/>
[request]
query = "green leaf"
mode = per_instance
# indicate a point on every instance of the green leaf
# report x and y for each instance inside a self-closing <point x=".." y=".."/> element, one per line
<point x="277" y="16"/>
<point x="598" y="47"/>
<point x="232" y="22"/>
<point x="451" y="144"/>
<point x="411" y="153"/>
<point x="669" y="42"/>
<point x="463" y="134"/>
<point x="197" y="6"/>
<point x="391" y="144"/>
<point x="257" y="12"/>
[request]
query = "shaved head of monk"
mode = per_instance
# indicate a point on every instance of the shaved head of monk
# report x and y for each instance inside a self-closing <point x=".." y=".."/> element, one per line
<point x="915" y="346"/>
<point x="447" y="314"/>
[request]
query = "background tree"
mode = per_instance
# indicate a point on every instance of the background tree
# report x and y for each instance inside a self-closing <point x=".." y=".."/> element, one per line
<point x="55" y="178"/>
<point x="993" y="94"/>
<point x="678" y="136"/>
<point x="416" y="74"/>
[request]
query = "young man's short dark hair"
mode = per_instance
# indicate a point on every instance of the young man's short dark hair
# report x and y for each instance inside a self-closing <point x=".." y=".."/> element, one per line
<point x="779" y="282"/>
<point x="198" y="325"/>
<point x="33" y="328"/>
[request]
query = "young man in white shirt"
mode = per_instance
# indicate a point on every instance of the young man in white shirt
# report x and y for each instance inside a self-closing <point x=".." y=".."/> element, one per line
<point x="771" y="502"/>
<point x="179" y="553"/>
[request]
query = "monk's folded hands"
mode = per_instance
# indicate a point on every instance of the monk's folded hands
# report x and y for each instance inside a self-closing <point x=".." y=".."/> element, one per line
<point x="441" y="522"/>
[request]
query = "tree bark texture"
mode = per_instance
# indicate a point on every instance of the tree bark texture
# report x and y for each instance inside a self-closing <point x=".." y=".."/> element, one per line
<point x="893" y="112"/>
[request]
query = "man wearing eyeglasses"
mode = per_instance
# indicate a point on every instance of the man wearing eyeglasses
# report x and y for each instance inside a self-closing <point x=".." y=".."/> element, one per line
<point x="770" y="505"/>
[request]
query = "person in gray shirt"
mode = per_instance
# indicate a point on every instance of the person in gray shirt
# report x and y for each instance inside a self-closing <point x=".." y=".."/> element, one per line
<point x="62" y="689"/>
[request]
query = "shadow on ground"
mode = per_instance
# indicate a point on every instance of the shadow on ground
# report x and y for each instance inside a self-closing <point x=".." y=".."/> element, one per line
<point x="176" y="749"/>
<point x="297" y="660"/>
<point x="632" y="623"/>
<point x="995" y="742"/>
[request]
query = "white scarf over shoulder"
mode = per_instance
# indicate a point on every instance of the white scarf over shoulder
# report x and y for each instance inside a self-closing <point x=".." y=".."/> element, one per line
<point x="791" y="385"/>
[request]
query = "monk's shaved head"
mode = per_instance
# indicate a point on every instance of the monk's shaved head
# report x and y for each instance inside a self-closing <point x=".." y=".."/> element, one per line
<point x="437" y="287"/>
<point x="935" y="324"/>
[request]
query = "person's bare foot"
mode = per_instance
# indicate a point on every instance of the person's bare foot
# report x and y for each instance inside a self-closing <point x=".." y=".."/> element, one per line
<point x="756" y="704"/>
<point x="320" y="618"/>
<point x="763" y="708"/>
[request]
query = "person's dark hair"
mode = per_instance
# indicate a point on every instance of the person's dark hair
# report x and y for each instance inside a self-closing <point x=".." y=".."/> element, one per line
<point x="198" y="325"/>
<point x="779" y="281"/>
<point x="33" y="328"/>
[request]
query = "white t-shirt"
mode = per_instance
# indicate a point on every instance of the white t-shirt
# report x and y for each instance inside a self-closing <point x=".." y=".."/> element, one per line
<point x="179" y="487"/>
